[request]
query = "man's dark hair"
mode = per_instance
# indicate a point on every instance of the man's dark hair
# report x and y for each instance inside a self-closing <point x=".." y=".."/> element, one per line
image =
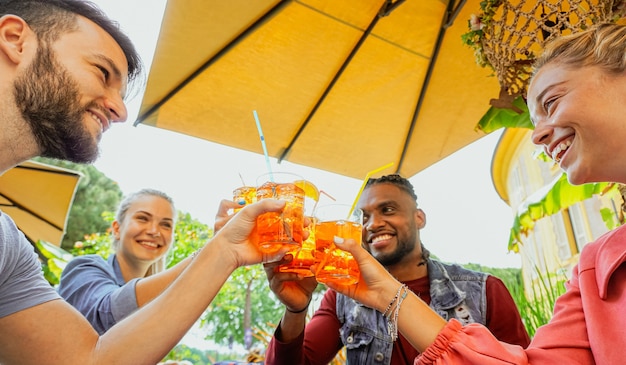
<point x="49" y="19"/>
<point x="396" y="180"/>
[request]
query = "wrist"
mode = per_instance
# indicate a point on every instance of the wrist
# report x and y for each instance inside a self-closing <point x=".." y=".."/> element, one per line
<point x="221" y="254"/>
<point x="300" y="310"/>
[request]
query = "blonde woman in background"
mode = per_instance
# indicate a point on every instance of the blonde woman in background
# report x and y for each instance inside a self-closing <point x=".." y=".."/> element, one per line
<point x="106" y="291"/>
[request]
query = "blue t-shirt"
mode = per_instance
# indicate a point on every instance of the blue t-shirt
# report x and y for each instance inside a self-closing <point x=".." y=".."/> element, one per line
<point x="97" y="289"/>
<point x="22" y="284"/>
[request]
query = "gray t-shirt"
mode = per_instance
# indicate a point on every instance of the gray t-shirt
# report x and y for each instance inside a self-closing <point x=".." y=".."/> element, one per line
<point x="22" y="284"/>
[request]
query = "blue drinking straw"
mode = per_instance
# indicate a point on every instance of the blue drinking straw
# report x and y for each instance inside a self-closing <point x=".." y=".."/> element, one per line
<point x="267" y="158"/>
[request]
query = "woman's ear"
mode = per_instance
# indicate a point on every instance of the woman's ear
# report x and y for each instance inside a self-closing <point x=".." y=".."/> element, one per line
<point x="115" y="228"/>
<point x="14" y="34"/>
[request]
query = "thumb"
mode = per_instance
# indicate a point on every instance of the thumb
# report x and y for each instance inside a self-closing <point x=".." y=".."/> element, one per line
<point x="351" y="246"/>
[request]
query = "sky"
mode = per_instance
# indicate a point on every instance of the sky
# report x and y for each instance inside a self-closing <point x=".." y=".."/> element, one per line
<point x="466" y="221"/>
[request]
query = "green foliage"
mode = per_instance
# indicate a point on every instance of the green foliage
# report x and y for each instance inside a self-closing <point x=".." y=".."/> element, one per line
<point x="551" y="199"/>
<point x="497" y="118"/>
<point x="230" y="304"/>
<point x="609" y="219"/>
<point x="95" y="193"/>
<point x="195" y="356"/>
<point x="536" y="307"/>
<point x="474" y="37"/>
<point x="189" y="235"/>
<point x="56" y="257"/>
<point x="94" y="244"/>
<point x="511" y="277"/>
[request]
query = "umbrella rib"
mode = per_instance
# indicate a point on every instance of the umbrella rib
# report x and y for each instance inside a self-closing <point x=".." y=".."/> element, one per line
<point x="23" y="208"/>
<point x="386" y="8"/>
<point x="448" y="18"/>
<point x="277" y="8"/>
<point x="55" y="171"/>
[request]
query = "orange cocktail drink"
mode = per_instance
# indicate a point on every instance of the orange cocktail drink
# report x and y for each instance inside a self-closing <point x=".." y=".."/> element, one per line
<point x="335" y="264"/>
<point x="276" y="230"/>
<point x="303" y="257"/>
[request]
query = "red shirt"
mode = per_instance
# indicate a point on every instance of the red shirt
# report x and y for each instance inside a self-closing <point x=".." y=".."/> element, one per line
<point x="320" y="341"/>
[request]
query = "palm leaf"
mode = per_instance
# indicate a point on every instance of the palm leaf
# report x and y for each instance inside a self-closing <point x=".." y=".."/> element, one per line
<point x="549" y="200"/>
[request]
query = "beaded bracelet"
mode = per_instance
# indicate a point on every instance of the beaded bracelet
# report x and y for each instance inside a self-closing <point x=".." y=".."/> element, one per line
<point x="394" y="334"/>
<point x="392" y="320"/>
<point x="386" y="312"/>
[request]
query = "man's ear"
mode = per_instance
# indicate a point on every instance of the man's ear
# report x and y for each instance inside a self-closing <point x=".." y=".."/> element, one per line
<point x="13" y="35"/>
<point x="420" y="218"/>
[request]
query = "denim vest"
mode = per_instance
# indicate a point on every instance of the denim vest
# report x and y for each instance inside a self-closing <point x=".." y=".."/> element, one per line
<point x="455" y="293"/>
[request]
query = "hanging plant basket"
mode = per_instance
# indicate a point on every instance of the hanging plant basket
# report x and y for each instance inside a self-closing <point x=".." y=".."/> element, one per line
<point x="509" y="34"/>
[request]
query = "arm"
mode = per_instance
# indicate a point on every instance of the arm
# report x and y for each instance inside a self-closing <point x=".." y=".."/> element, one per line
<point x="295" y="293"/>
<point x="90" y="285"/>
<point x="318" y="343"/>
<point x="150" y="287"/>
<point x="376" y="289"/>
<point x="562" y="341"/>
<point x="148" y="334"/>
<point x="503" y="318"/>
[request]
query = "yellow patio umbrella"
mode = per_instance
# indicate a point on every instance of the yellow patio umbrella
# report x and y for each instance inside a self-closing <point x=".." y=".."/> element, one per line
<point x="38" y="197"/>
<point x="344" y="86"/>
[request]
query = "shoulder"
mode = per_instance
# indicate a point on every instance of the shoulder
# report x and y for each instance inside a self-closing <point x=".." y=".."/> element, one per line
<point x="16" y="253"/>
<point x="87" y="262"/>
<point x="607" y="249"/>
<point x="87" y="268"/>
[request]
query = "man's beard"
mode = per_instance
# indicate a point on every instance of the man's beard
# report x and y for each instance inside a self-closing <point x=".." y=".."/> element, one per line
<point x="403" y="249"/>
<point x="49" y="100"/>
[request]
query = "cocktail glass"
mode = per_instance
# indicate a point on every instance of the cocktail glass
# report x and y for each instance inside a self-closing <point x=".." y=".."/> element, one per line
<point x="280" y="229"/>
<point x="336" y="265"/>
<point x="244" y="195"/>
<point x="303" y="257"/>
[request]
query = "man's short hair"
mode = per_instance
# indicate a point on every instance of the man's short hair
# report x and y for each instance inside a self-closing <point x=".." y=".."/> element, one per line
<point x="396" y="180"/>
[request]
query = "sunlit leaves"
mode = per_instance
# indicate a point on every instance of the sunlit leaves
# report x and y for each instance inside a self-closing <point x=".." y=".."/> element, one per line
<point x="549" y="200"/>
<point x="497" y="118"/>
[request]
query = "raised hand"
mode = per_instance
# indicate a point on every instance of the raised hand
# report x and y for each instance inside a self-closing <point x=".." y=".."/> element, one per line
<point x="292" y="290"/>
<point x="376" y="285"/>
<point x="222" y="217"/>
<point x="238" y="236"/>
